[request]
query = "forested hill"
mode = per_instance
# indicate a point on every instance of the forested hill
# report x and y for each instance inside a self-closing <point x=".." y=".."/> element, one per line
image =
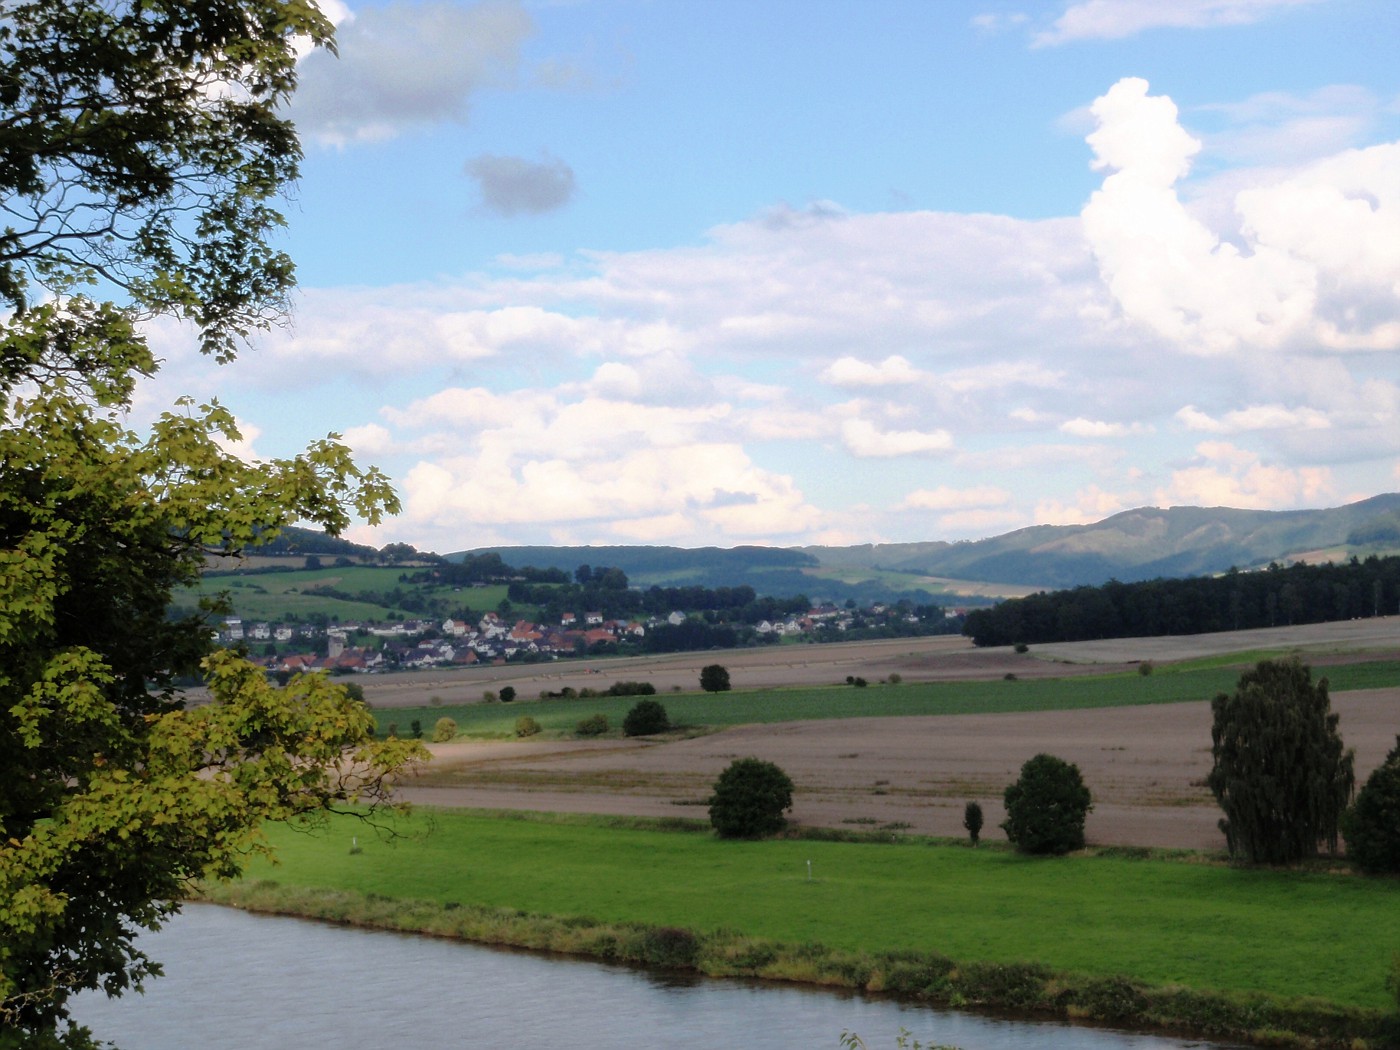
<point x="1135" y="545"/>
<point x="1144" y="544"/>
<point x="702" y="567"/>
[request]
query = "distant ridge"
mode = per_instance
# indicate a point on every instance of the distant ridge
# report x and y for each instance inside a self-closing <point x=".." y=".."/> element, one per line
<point x="1134" y="545"/>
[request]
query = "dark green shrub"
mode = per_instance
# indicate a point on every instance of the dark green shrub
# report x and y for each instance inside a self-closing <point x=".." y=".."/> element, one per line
<point x="645" y="718"/>
<point x="670" y="946"/>
<point x="632" y="689"/>
<point x="714" y="678"/>
<point x="416" y="728"/>
<point x="1145" y="668"/>
<point x="392" y="729"/>
<point x="1046" y="807"/>
<point x="444" y="730"/>
<point x="507" y="693"/>
<point x="749" y="799"/>
<point x="526" y="726"/>
<point x="593" y="725"/>
<point x="1372" y="824"/>
<point x="1021" y="647"/>
<point x="972" y="821"/>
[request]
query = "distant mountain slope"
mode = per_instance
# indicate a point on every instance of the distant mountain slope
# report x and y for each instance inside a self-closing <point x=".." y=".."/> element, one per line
<point x="1141" y="544"/>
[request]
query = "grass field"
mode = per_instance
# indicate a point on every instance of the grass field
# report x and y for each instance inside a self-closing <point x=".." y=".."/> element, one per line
<point x="881" y="700"/>
<point x="277" y="595"/>
<point x="1203" y="926"/>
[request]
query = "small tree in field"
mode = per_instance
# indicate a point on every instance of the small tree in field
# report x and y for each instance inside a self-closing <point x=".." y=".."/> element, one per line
<point x="1372" y="825"/>
<point x="444" y="730"/>
<point x="645" y="718"/>
<point x="749" y="800"/>
<point x="972" y="821"/>
<point x="1281" y="774"/>
<point x="1046" y="807"/>
<point x="507" y="693"/>
<point x="714" y="678"/>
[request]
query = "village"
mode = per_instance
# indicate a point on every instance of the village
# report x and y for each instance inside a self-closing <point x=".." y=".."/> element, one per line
<point x="421" y="644"/>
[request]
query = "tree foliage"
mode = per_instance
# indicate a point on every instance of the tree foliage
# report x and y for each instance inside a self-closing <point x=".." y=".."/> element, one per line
<point x="714" y="678"/>
<point x="645" y="718"/>
<point x="1372" y="824"/>
<point x="749" y="800"/>
<point x="141" y="155"/>
<point x="1046" y="806"/>
<point x="1280" y="771"/>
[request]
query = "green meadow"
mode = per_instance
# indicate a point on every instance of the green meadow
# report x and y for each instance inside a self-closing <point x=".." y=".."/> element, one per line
<point x="1205" y="926"/>
<point x="742" y="707"/>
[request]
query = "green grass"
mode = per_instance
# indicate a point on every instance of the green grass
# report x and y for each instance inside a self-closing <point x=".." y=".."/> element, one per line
<point x="1203" y="926"/>
<point x="742" y="707"/>
<point x="279" y="595"/>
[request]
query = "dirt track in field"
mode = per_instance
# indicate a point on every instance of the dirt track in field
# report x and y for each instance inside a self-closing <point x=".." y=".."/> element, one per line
<point x="1145" y="765"/>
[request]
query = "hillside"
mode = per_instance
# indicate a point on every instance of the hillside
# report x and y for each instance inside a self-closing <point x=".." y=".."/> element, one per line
<point x="1135" y="545"/>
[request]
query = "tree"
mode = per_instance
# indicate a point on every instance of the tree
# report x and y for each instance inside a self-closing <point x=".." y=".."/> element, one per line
<point x="645" y="718"/>
<point x="507" y="693"/>
<point x="1046" y="807"/>
<point x="714" y="678"/>
<point x="972" y="821"/>
<point x="141" y="154"/>
<point x="1372" y="825"/>
<point x="1280" y="771"/>
<point x="444" y="729"/>
<point x="749" y="800"/>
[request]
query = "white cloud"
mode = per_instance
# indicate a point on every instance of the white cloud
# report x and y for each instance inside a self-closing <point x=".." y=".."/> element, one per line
<point x="242" y="446"/>
<point x="850" y="371"/>
<point x="1323" y="246"/>
<point x="864" y="439"/>
<point x="1097" y="428"/>
<point x="403" y="65"/>
<point x="1253" y="417"/>
<point x="1225" y="475"/>
<point x="1116" y="19"/>
<point x="1088" y="505"/>
<point x="945" y="497"/>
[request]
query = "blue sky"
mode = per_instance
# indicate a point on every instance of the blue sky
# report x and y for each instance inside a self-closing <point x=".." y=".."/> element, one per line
<point x="723" y="272"/>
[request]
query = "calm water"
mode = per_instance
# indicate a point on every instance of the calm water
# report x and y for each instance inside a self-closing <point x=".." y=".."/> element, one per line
<point x="241" y="981"/>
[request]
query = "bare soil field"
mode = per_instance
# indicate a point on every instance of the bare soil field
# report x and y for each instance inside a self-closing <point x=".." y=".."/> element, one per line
<point x="1146" y="766"/>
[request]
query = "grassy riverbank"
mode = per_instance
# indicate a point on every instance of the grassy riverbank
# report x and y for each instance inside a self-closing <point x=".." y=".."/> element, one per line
<point x="1178" y="941"/>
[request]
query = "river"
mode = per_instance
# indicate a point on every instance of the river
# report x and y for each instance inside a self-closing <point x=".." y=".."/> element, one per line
<point x="236" y="981"/>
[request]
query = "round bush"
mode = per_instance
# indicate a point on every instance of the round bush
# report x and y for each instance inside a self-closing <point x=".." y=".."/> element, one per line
<point x="1046" y="807"/>
<point x="749" y="799"/>
<point x="507" y="693"/>
<point x="526" y="726"/>
<point x="1372" y="824"/>
<point x="444" y="729"/>
<point x="645" y="718"/>
<point x="593" y="725"/>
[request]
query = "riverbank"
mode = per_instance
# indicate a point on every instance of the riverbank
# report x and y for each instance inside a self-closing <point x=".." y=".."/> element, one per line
<point x="1151" y="941"/>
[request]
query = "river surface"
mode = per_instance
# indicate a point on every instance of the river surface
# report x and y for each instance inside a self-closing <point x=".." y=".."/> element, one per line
<point x="236" y="981"/>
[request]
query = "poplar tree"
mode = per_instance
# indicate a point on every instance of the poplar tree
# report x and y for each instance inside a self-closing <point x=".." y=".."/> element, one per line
<point x="142" y="157"/>
<point x="1280" y="771"/>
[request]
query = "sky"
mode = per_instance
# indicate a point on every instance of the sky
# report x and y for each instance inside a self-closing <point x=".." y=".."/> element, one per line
<point x="798" y="272"/>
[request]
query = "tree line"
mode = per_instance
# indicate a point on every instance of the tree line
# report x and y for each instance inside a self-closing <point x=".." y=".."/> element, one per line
<point x="1275" y="597"/>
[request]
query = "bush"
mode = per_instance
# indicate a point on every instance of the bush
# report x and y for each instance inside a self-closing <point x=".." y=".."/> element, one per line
<point x="507" y="693"/>
<point x="972" y="821"/>
<point x="714" y="678"/>
<point x="416" y="729"/>
<point x="593" y="725"/>
<point x="632" y="689"/>
<point x="444" y="729"/>
<point x="749" y="799"/>
<point x="1146" y="668"/>
<point x="526" y="726"/>
<point x="645" y="718"/>
<point x="1372" y="824"/>
<point x="1046" y="807"/>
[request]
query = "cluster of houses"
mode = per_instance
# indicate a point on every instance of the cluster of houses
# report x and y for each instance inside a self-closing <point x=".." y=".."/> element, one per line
<point x="419" y="644"/>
